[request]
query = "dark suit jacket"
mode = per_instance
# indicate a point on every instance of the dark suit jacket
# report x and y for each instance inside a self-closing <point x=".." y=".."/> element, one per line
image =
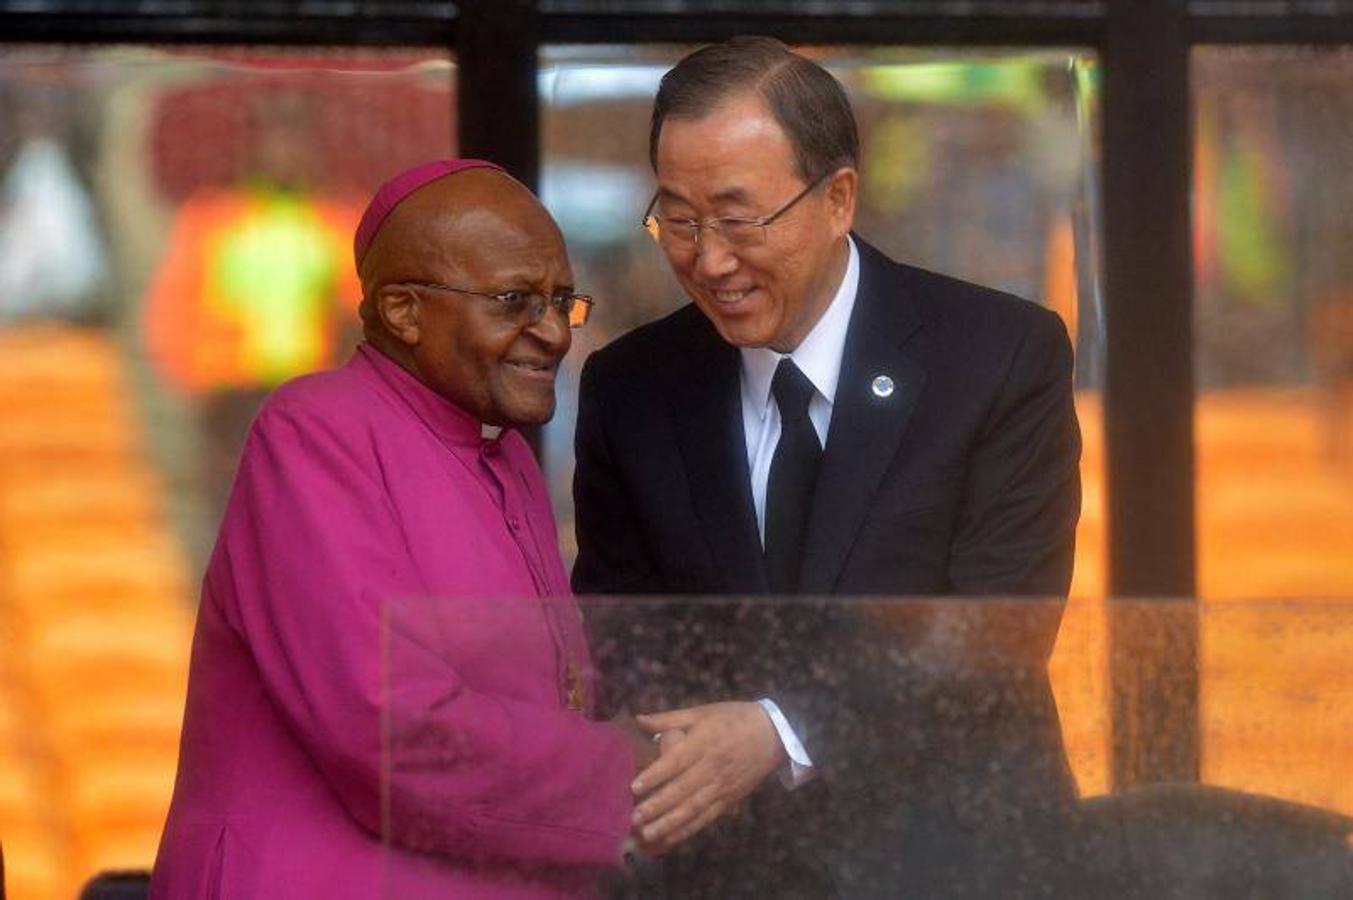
<point x="963" y="481"/>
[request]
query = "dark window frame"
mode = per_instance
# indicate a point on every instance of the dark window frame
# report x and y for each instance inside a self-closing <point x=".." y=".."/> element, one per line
<point x="1144" y="47"/>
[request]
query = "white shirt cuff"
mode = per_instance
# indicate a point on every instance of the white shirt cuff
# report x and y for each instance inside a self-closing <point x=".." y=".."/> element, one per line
<point x="800" y="769"/>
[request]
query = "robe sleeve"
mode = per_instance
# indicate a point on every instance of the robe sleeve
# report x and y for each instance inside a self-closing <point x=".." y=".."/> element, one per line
<point x="311" y="555"/>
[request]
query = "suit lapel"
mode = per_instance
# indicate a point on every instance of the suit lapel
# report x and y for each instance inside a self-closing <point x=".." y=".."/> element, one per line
<point x="866" y="428"/>
<point x="707" y="408"/>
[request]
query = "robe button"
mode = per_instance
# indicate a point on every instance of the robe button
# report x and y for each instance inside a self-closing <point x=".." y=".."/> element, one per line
<point x="514" y="523"/>
<point x="490" y="448"/>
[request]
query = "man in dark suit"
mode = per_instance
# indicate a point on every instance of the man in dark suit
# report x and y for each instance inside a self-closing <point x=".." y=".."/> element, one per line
<point x="821" y="420"/>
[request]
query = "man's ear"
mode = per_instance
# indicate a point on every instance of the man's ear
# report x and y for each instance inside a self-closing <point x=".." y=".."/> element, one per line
<point x="842" y="190"/>
<point x="398" y="309"/>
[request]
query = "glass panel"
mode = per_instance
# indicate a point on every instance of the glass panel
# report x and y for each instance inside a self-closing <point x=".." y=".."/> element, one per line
<point x="937" y="758"/>
<point x="175" y="233"/>
<point x="1276" y="687"/>
<point x="1274" y="414"/>
<point x="980" y="165"/>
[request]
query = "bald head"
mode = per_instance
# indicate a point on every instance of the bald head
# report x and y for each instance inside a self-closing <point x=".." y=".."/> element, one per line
<point x="432" y="278"/>
<point x="444" y="221"/>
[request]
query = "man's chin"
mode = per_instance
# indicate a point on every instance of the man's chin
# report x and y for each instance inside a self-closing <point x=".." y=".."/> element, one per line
<point x="739" y="330"/>
<point x="527" y="415"/>
<point x="742" y="334"/>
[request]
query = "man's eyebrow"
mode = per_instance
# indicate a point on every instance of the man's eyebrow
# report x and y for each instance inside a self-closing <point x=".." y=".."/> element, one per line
<point x="669" y="194"/>
<point x="529" y="277"/>
<point x="731" y="195"/>
<point x="727" y="195"/>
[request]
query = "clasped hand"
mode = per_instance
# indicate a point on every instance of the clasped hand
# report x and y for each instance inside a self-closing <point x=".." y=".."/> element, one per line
<point x="711" y="757"/>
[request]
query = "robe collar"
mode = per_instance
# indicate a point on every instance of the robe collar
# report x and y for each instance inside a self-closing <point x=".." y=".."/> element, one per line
<point x="453" y="425"/>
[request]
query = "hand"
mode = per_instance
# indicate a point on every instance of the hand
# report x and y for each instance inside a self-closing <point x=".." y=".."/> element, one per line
<point x="642" y="744"/>
<point x="727" y="750"/>
<point x="666" y="741"/>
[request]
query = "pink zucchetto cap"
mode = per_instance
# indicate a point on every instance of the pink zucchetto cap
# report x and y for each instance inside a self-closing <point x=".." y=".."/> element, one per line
<point x="389" y="195"/>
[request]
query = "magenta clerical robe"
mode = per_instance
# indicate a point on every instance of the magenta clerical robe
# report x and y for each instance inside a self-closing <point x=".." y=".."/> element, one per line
<point x="379" y="557"/>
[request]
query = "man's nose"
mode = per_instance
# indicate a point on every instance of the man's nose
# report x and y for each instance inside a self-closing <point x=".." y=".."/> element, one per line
<point x="713" y="258"/>
<point x="552" y="330"/>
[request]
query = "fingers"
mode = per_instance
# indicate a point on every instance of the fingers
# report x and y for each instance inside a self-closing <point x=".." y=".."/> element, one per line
<point x="674" y="718"/>
<point x="678" y="804"/>
<point x="676" y="757"/>
<point x="685" y="820"/>
<point x="667" y="740"/>
<point x="689" y="784"/>
<point x="702" y="821"/>
<point x="723" y="752"/>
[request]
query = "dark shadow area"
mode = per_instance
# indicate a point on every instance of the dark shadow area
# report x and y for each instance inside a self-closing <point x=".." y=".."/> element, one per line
<point x="129" y="885"/>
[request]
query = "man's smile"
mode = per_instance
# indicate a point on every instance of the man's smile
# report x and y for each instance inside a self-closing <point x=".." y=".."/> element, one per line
<point x="731" y="296"/>
<point x="542" y="369"/>
<point x="730" y="301"/>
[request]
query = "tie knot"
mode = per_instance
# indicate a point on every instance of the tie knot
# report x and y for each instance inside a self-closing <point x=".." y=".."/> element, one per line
<point x="792" y="391"/>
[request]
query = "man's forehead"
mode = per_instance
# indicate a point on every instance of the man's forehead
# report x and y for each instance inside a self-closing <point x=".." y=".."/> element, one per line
<point x="727" y="156"/>
<point x="519" y="243"/>
<point x="677" y="192"/>
<point x="723" y="178"/>
<point x="739" y="117"/>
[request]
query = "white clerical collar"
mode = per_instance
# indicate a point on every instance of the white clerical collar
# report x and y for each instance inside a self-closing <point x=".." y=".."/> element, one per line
<point x="818" y="355"/>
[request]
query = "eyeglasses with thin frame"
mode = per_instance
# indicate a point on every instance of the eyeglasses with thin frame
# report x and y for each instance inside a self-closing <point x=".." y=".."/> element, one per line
<point x="525" y="306"/>
<point x="681" y="233"/>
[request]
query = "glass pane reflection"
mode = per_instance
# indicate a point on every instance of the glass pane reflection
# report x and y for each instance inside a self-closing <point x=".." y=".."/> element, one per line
<point x="939" y="753"/>
<point x="174" y="240"/>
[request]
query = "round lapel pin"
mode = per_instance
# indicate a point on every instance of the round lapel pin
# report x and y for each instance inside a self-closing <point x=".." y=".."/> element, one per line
<point x="882" y="386"/>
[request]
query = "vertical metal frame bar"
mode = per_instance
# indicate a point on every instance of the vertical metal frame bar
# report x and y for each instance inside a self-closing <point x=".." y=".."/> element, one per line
<point x="499" y="107"/>
<point x="497" y="98"/>
<point x="1146" y="164"/>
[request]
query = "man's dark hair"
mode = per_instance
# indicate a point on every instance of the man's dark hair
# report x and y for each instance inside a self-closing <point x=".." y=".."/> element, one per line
<point x="808" y="103"/>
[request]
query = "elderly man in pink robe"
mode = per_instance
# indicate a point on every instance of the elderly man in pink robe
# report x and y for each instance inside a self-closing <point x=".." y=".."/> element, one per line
<point x="388" y="510"/>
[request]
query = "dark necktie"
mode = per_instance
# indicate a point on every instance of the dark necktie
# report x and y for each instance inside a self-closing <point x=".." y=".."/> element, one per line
<point x="793" y="473"/>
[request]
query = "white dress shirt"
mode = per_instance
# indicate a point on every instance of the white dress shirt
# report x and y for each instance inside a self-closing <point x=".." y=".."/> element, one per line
<point x="818" y="356"/>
